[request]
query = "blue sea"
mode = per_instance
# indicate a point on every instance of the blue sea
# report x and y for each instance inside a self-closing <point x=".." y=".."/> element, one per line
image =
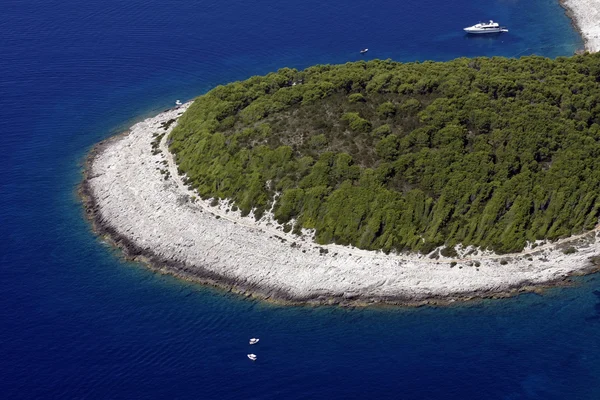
<point x="76" y="322"/>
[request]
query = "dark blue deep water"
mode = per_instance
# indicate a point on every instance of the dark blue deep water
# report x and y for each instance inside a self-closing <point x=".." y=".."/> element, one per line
<point x="76" y="322"/>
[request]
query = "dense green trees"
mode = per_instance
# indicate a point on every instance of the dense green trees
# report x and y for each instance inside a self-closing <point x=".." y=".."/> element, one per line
<point x="383" y="155"/>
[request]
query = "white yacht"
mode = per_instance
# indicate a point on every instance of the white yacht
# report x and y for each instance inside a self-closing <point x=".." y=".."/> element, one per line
<point x="485" y="27"/>
<point x="252" y="356"/>
<point x="253" y="341"/>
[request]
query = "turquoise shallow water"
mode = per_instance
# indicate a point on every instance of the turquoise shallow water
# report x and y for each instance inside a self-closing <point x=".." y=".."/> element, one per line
<point x="76" y="322"/>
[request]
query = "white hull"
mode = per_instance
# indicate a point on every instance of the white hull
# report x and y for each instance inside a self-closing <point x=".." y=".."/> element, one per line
<point x="484" y="31"/>
<point x="485" y="27"/>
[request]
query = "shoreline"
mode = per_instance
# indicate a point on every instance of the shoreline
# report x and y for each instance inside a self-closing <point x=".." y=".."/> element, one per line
<point x="192" y="240"/>
<point x="585" y="16"/>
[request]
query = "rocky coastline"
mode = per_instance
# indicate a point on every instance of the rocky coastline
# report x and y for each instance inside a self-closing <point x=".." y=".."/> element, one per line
<point x="135" y="199"/>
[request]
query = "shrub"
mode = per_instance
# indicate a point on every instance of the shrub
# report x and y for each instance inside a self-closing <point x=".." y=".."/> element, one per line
<point x="449" y="251"/>
<point x="382" y="131"/>
<point x="386" y="110"/>
<point x="570" y="250"/>
<point x="387" y="148"/>
<point x="318" y="141"/>
<point x="356" y="123"/>
<point x="410" y="106"/>
<point x="356" y="97"/>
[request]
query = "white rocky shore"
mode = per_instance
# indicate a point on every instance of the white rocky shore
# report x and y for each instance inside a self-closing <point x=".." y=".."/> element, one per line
<point x="136" y="198"/>
<point x="586" y="17"/>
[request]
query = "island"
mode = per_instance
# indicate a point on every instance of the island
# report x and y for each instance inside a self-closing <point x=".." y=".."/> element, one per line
<point x="368" y="182"/>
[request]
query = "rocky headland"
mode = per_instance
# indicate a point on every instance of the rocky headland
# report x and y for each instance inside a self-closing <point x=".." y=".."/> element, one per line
<point x="136" y="199"/>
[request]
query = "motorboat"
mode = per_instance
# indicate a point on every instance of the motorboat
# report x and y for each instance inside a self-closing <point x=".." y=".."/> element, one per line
<point x="254" y="340"/>
<point x="178" y="102"/>
<point x="485" y="27"/>
<point x="363" y="51"/>
<point x="252" y="356"/>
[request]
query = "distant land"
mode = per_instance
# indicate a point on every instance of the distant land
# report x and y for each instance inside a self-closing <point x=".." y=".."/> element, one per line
<point x="585" y="15"/>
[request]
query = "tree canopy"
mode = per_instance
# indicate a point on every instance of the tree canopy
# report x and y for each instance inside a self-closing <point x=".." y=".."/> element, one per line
<point x="492" y="152"/>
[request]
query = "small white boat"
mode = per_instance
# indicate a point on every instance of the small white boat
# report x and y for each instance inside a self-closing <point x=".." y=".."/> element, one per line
<point x="485" y="27"/>
<point x="254" y="340"/>
<point x="252" y="356"/>
<point x="177" y="102"/>
<point x="363" y="51"/>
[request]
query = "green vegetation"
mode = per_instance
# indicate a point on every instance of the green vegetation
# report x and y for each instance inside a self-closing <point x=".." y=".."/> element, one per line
<point x="384" y="155"/>
<point x="570" y="250"/>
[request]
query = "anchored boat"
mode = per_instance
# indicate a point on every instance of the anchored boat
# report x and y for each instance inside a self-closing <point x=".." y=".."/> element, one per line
<point x="485" y="27"/>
